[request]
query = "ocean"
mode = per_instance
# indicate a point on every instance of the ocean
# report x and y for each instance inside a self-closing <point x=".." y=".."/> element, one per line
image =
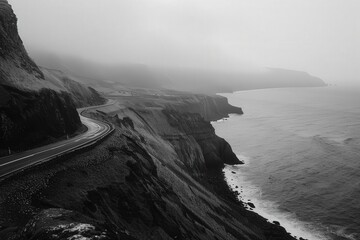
<point x="301" y="148"/>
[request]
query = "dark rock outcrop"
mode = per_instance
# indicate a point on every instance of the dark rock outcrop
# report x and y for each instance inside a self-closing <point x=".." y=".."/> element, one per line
<point x="216" y="150"/>
<point x="34" y="108"/>
<point x="28" y="118"/>
<point x="210" y="107"/>
<point x="11" y="47"/>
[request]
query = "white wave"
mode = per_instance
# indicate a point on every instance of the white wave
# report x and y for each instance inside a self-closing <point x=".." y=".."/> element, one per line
<point x="268" y="209"/>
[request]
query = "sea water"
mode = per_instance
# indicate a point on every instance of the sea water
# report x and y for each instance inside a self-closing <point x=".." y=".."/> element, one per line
<point x="301" y="148"/>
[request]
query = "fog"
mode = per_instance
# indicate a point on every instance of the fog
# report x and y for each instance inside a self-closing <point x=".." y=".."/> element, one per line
<point x="318" y="36"/>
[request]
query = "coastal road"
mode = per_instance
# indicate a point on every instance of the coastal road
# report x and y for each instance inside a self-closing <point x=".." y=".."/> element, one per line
<point x="96" y="130"/>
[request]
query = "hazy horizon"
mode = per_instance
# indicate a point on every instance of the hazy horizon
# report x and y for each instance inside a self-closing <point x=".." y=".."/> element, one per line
<point x="320" y="37"/>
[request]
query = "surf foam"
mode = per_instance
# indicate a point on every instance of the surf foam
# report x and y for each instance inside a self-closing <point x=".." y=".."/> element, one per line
<point x="248" y="192"/>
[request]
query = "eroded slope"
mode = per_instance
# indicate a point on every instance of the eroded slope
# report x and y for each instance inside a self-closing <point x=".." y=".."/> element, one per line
<point x="151" y="179"/>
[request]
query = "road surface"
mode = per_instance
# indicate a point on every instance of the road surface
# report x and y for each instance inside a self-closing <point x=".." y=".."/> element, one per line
<point x="96" y="131"/>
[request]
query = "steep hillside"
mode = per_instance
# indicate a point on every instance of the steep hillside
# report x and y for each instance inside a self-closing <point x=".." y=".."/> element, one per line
<point x="34" y="107"/>
<point x="82" y="95"/>
<point x="16" y="67"/>
<point x="28" y="118"/>
<point x="155" y="177"/>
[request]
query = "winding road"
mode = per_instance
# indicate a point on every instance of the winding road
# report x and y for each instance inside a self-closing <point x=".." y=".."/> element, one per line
<point x="96" y="130"/>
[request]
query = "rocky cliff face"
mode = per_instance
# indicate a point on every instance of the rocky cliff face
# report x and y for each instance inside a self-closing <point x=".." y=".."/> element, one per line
<point x="34" y="107"/>
<point x="18" y="70"/>
<point x="211" y="108"/>
<point x="215" y="150"/>
<point x="148" y="180"/>
<point x="16" y="67"/>
<point x="28" y="117"/>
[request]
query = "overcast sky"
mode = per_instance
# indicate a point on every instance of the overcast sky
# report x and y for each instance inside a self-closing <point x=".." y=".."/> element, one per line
<point x="321" y="37"/>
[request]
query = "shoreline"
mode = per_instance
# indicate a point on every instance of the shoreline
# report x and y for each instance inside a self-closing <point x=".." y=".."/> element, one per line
<point x="267" y="209"/>
<point x="236" y="192"/>
<point x="219" y="185"/>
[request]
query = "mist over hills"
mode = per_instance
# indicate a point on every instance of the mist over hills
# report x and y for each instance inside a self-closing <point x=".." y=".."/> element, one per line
<point x="209" y="81"/>
<point x="105" y="76"/>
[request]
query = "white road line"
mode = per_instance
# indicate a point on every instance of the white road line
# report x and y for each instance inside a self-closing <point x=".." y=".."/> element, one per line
<point x="4" y="164"/>
<point x="56" y="147"/>
<point x="79" y="139"/>
<point x="51" y="148"/>
<point x="16" y="160"/>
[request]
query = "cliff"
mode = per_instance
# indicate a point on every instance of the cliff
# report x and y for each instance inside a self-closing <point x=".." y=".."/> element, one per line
<point x="28" y="118"/>
<point x="151" y="179"/>
<point x="215" y="150"/>
<point x="35" y="108"/>
<point x="16" y="67"/>
<point x="209" y="107"/>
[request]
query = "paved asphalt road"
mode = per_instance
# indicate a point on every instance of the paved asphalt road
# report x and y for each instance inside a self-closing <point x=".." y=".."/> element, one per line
<point x="96" y="130"/>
